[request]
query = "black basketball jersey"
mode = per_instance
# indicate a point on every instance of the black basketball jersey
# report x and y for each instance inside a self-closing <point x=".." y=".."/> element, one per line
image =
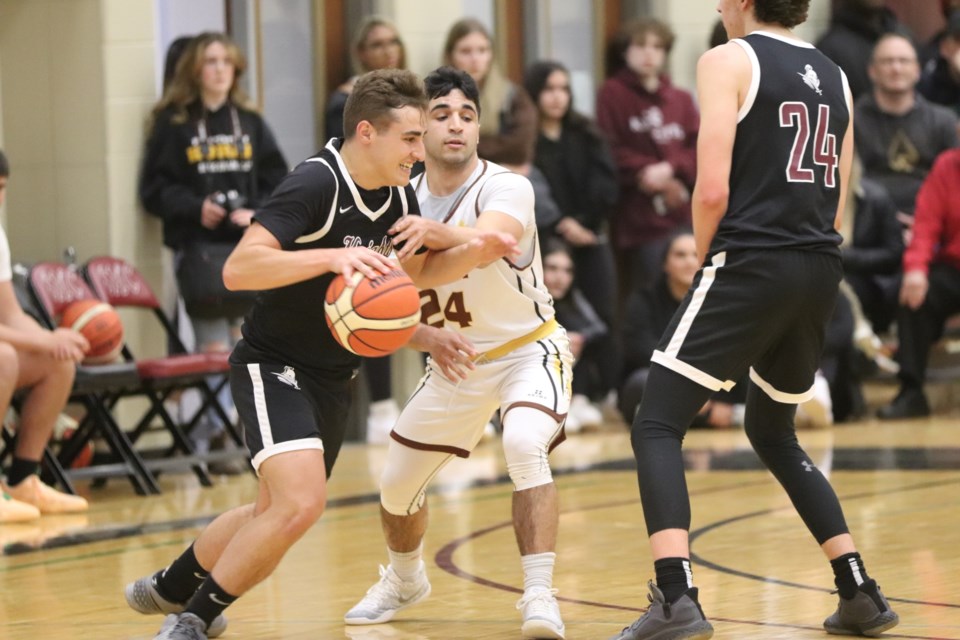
<point x="316" y="206"/>
<point x="785" y="175"/>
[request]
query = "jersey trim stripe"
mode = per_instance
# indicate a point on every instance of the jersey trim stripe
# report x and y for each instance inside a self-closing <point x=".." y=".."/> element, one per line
<point x="260" y="403"/>
<point x="357" y="200"/>
<point x="316" y="235"/>
<point x="779" y="396"/>
<point x="696" y="302"/>
<point x="302" y="444"/>
<point x="690" y="372"/>
<point x="754" y="79"/>
<point x="796" y="43"/>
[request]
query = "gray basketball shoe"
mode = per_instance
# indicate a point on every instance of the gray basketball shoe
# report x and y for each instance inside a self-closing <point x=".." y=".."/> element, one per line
<point x="866" y="614"/>
<point x="142" y="596"/>
<point x="681" y="620"/>
<point x="183" y="626"/>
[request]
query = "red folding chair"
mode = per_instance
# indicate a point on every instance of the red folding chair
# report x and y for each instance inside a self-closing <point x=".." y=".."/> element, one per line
<point x="52" y="287"/>
<point x="119" y="283"/>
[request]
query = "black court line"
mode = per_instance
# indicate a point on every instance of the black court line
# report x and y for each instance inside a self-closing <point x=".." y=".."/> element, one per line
<point x="444" y="559"/>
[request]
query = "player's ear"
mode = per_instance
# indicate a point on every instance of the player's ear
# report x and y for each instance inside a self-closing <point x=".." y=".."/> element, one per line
<point x="365" y="131"/>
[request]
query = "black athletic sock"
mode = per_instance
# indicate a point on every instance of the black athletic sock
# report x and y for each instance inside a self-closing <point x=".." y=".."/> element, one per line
<point x="674" y="577"/>
<point x="20" y="470"/>
<point x="209" y="601"/>
<point x="848" y="574"/>
<point x="179" y="581"/>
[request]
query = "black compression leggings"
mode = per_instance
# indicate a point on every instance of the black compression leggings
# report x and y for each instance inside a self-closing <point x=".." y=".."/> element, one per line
<point x="670" y="403"/>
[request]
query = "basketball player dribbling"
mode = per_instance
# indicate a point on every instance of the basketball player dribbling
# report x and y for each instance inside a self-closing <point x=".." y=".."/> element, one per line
<point x="774" y="155"/>
<point x="510" y="354"/>
<point x="289" y="377"/>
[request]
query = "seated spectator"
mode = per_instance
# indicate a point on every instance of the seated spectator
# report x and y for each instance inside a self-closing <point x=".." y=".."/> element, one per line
<point x="940" y="82"/>
<point x="872" y="250"/>
<point x="652" y="128"/>
<point x="584" y="328"/>
<point x="42" y="364"/>
<point x="898" y="133"/>
<point x="854" y="30"/>
<point x="649" y="312"/>
<point x="931" y="283"/>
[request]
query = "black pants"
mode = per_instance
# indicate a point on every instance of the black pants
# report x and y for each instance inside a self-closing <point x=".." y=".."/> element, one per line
<point x="919" y="330"/>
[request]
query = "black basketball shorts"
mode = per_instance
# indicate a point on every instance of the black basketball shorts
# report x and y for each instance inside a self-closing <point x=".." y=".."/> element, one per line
<point x="759" y="310"/>
<point x="286" y="409"/>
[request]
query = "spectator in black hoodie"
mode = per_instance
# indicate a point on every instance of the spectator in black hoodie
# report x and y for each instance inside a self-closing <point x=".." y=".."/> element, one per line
<point x="209" y="160"/>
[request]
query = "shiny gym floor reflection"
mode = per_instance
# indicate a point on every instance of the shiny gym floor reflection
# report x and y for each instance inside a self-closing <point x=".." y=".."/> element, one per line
<point x="760" y="573"/>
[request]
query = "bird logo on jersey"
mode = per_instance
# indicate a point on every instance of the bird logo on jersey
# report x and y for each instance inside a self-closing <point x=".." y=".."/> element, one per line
<point x="288" y="377"/>
<point x="811" y="79"/>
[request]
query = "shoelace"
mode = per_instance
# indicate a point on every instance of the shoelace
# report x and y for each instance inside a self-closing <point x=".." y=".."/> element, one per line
<point x="542" y="598"/>
<point x="387" y="587"/>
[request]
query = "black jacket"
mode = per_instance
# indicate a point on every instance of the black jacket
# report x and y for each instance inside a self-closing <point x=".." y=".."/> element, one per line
<point x="180" y="169"/>
<point x="581" y="173"/>
<point x="648" y="313"/>
<point x="877" y="243"/>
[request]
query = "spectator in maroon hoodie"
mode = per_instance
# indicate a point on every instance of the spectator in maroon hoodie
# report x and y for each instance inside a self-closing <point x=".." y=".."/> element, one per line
<point x="930" y="292"/>
<point x="652" y="127"/>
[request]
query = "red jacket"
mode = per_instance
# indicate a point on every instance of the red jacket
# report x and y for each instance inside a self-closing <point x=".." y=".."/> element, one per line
<point x="645" y="128"/>
<point x="936" y="223"/>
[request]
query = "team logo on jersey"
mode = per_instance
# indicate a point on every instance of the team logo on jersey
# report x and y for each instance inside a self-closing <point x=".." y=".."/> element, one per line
<point x="810" y="78"/>
<point x="288" y="377"/>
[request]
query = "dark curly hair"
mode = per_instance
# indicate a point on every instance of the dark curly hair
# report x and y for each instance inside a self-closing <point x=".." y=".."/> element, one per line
<point x="787" y="13"/>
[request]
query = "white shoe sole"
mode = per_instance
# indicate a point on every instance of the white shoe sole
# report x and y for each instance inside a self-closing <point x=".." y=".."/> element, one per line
<point x="537" y="629"/>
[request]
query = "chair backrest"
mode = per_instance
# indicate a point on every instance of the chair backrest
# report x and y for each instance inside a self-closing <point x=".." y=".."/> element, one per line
<point x="55" y="286"/>
<point x="120" y="283"/>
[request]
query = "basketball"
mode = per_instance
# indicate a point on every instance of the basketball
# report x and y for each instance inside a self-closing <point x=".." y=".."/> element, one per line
<point x="372" y="317"/>
<point x="100" y="324"/>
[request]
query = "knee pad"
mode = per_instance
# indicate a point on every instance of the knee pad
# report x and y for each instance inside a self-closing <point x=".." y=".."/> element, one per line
<point x="405" y="478"/>
<point x="527" y="434"/>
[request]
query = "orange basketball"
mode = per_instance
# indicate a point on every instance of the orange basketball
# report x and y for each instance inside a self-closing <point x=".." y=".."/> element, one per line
<point x="372" y="317"/>
<point x="100" y="325"/>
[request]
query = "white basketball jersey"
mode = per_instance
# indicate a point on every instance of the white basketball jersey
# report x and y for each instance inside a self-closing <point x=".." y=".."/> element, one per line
<point x="504" y="300"/>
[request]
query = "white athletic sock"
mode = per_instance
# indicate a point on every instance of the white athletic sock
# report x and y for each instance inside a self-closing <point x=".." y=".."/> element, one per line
<point x="406" y="565"/>
<point x="538" y="571"/>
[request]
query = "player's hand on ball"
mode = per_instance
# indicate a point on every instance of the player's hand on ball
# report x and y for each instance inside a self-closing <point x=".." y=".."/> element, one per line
<point x="453" y="353"/>
<point x="493" y="245"/>
<point x="366" y="261"/>
<point x="67" y="344"/>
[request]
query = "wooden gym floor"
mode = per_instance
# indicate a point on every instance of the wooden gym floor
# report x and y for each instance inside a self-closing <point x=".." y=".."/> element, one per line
<point x="760" y="573"/>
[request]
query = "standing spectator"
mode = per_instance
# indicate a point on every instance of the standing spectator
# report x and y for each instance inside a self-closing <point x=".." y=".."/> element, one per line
<point x="43" y="363"/>
<point x="508" y="118"/>
<point x="575" y="158"/>
<point x="855" y="28"/>
<point x="652" y="127"/>
<point x="940" y="82"/>
<point x="210" y="159"/>
<point x="899" y="134"/>
<point x="584" y="328"/>
<point x="376" y="45"/>
<point x="931" y="283"/>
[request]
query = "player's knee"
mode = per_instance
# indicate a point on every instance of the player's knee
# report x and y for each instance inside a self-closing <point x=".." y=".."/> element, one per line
<point x="527" y="434"/>
<point x="64" y="371"/>
<point x="401" y="501"/>
<point x="9" y="362"/>
<point x="299" y="513"/>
